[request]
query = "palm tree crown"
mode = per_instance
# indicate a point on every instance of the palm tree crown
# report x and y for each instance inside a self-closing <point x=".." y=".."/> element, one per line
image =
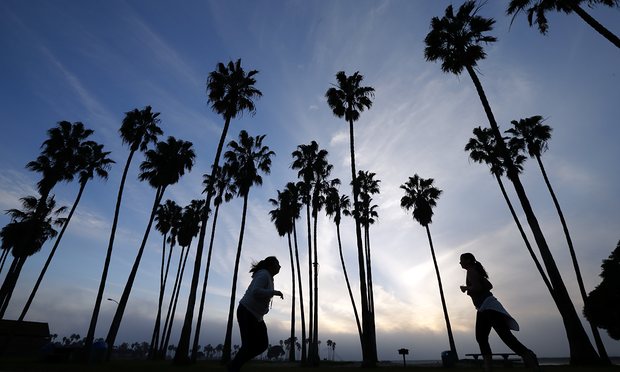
<point x="246" y="157"/>
<point x="483" y="149"/>
<point x="455" y="38"/>
<point x="348" y="99"/>
<point x="530" y="133"/>
<point x="165" y="164"/>
<point x="140" y="128"/>
<point x="421" y="196"/>
<point x="231" y="90"/>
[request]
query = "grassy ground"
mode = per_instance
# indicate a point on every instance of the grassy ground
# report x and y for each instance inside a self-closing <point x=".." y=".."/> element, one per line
<point x="16" y="364"/>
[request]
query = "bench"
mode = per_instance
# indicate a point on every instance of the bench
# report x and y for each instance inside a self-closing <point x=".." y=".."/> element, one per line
<point x="22" y="338"/>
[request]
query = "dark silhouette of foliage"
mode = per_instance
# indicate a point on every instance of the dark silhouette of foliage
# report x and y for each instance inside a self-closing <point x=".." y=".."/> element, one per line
<point x="602" y="306"/>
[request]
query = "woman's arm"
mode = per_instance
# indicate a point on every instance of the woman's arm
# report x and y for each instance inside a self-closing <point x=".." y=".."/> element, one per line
<point x="261" y="286"/>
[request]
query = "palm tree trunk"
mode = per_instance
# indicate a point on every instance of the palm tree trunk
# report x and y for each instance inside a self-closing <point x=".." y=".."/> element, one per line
<point x="301" y="300"/>
<point x="443" y="299"/>
<point x="582" y="289"/>
<point x="5" y="254"/>
<point x="181" y="354"/>
<point x="231" y="309"/>
<point x="525" y="239"/>
<point x="369" y="346"/>
<point x="162" y="288"/>
<point x="346" y="279"/>
<point x="169" y="313"/>
<point x="88" y="342"/>
<point x="176" y="300"/>
<point x="122" y="304"/>
<point x="8" y="286"/>
<point x="595" y="24"/>
<point x="581" y="350"/>
<point x="51" y="255"/>
<point x="204" y="287"/>
<point x="314" y="345"/>
<point x="371" y="295"/>
<point x="291" y="352"/>
<point x="310" y="287"/>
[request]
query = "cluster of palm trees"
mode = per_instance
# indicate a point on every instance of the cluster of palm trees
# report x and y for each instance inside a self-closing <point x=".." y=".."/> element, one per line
<point x="456" y="40"/>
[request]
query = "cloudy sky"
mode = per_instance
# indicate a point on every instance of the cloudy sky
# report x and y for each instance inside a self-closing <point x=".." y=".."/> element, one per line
<point x="94" y="61"/>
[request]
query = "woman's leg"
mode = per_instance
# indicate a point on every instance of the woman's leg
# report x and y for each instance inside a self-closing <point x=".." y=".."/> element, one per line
<point x="483" y="329"/>
<point x="253" y="338"/>
<point x="500" y="324"/>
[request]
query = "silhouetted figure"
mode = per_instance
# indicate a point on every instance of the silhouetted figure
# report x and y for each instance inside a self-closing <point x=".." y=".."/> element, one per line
<point x="253" y="305"/>
<point x="491" y="314"/>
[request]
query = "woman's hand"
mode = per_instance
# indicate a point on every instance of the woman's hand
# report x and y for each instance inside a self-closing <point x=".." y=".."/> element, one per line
<point x="278" y="293"/>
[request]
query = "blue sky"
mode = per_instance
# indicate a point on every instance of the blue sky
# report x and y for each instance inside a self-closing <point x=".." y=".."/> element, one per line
<point x="92" y="62"/>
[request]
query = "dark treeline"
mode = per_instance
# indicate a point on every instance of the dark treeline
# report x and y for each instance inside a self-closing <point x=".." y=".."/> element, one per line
<point x="456" y="40"/>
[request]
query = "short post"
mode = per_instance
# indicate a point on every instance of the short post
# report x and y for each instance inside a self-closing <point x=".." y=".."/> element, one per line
<point x="403" y="352"/>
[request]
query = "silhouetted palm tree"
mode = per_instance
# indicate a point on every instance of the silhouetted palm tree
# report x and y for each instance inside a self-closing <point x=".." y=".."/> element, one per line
<point x="482" y="149"/>
<point x="188" y="229"/>
<point x="531" y="135"/>
<point x="283" y="217"/>
<point x="162" y="167"/>
<point x="335" y="206"/>
<point x="246" y="158"/>
<point x="91" y="160"/>
<point x="421" y="197"/>
<point x="167" y="218"/>
<point x="455" y="40"/>
<point x="24" y="236"/>
<point x="138" y="130"/>
<point x="348" y="99"/>
<point x="537" y="9"/>
<point x="224" y="190"/>
<point x="231" y="92"/>
<point x="367" y="186"/>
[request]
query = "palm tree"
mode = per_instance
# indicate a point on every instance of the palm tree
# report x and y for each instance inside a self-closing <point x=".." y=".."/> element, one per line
<point x="283" y="217"/>
<point x="348" y="99"/>
<point x="367" y="186"/>
<point x="537" y="9"/>
<point x="24" y="236"/>
<point x="188" y="229"/>
<point x="531" y="134"/>
<point x="246" y="158"/>
<point x="455" y="40"/>
<point x="92" y="160"/>
<point x="335" y="206"/>
<point x="482" y="149"/>
<point x="224" y="190"/>
<point x="167" y="218"/>
<point x="57" y="162"/>
<point x="420" y="197"/>
<point x="138" y="129"/>
<point x="231" y="92"/>
<point x="162" y="167"/>
<point x="295" y="203"/>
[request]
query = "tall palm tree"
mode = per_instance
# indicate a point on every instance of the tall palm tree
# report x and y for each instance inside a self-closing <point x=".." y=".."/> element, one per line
<point x="167" y="218"/>
<point x="367" y="186"/>
<point x="335" y="206"/>
<point x="188" y="229"/>
<point x="24" y="236"/>
<point x="231" y="91"/>
<point x="537" y="9"/>
<point x="455" y="40"/>
<point x="532" y="135"/>
<point x="247" y="158"/>
<point x="91" y="160"/>
<point x="224" y="191"/>
<point x="295" y="204"/>
<point x="138" y="130"/>
<point x="421" y="197"/>
<point x="283" y="218"/>
<point x="482" y="149"/>
<point x="347" y="99"/>
<point x="162" y="167"/>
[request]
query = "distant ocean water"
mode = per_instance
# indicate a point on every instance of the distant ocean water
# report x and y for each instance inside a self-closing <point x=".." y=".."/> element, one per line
<point x="542" y="361"/>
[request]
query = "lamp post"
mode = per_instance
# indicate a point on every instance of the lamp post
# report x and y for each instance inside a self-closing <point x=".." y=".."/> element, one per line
<point x="113" y="300"/>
